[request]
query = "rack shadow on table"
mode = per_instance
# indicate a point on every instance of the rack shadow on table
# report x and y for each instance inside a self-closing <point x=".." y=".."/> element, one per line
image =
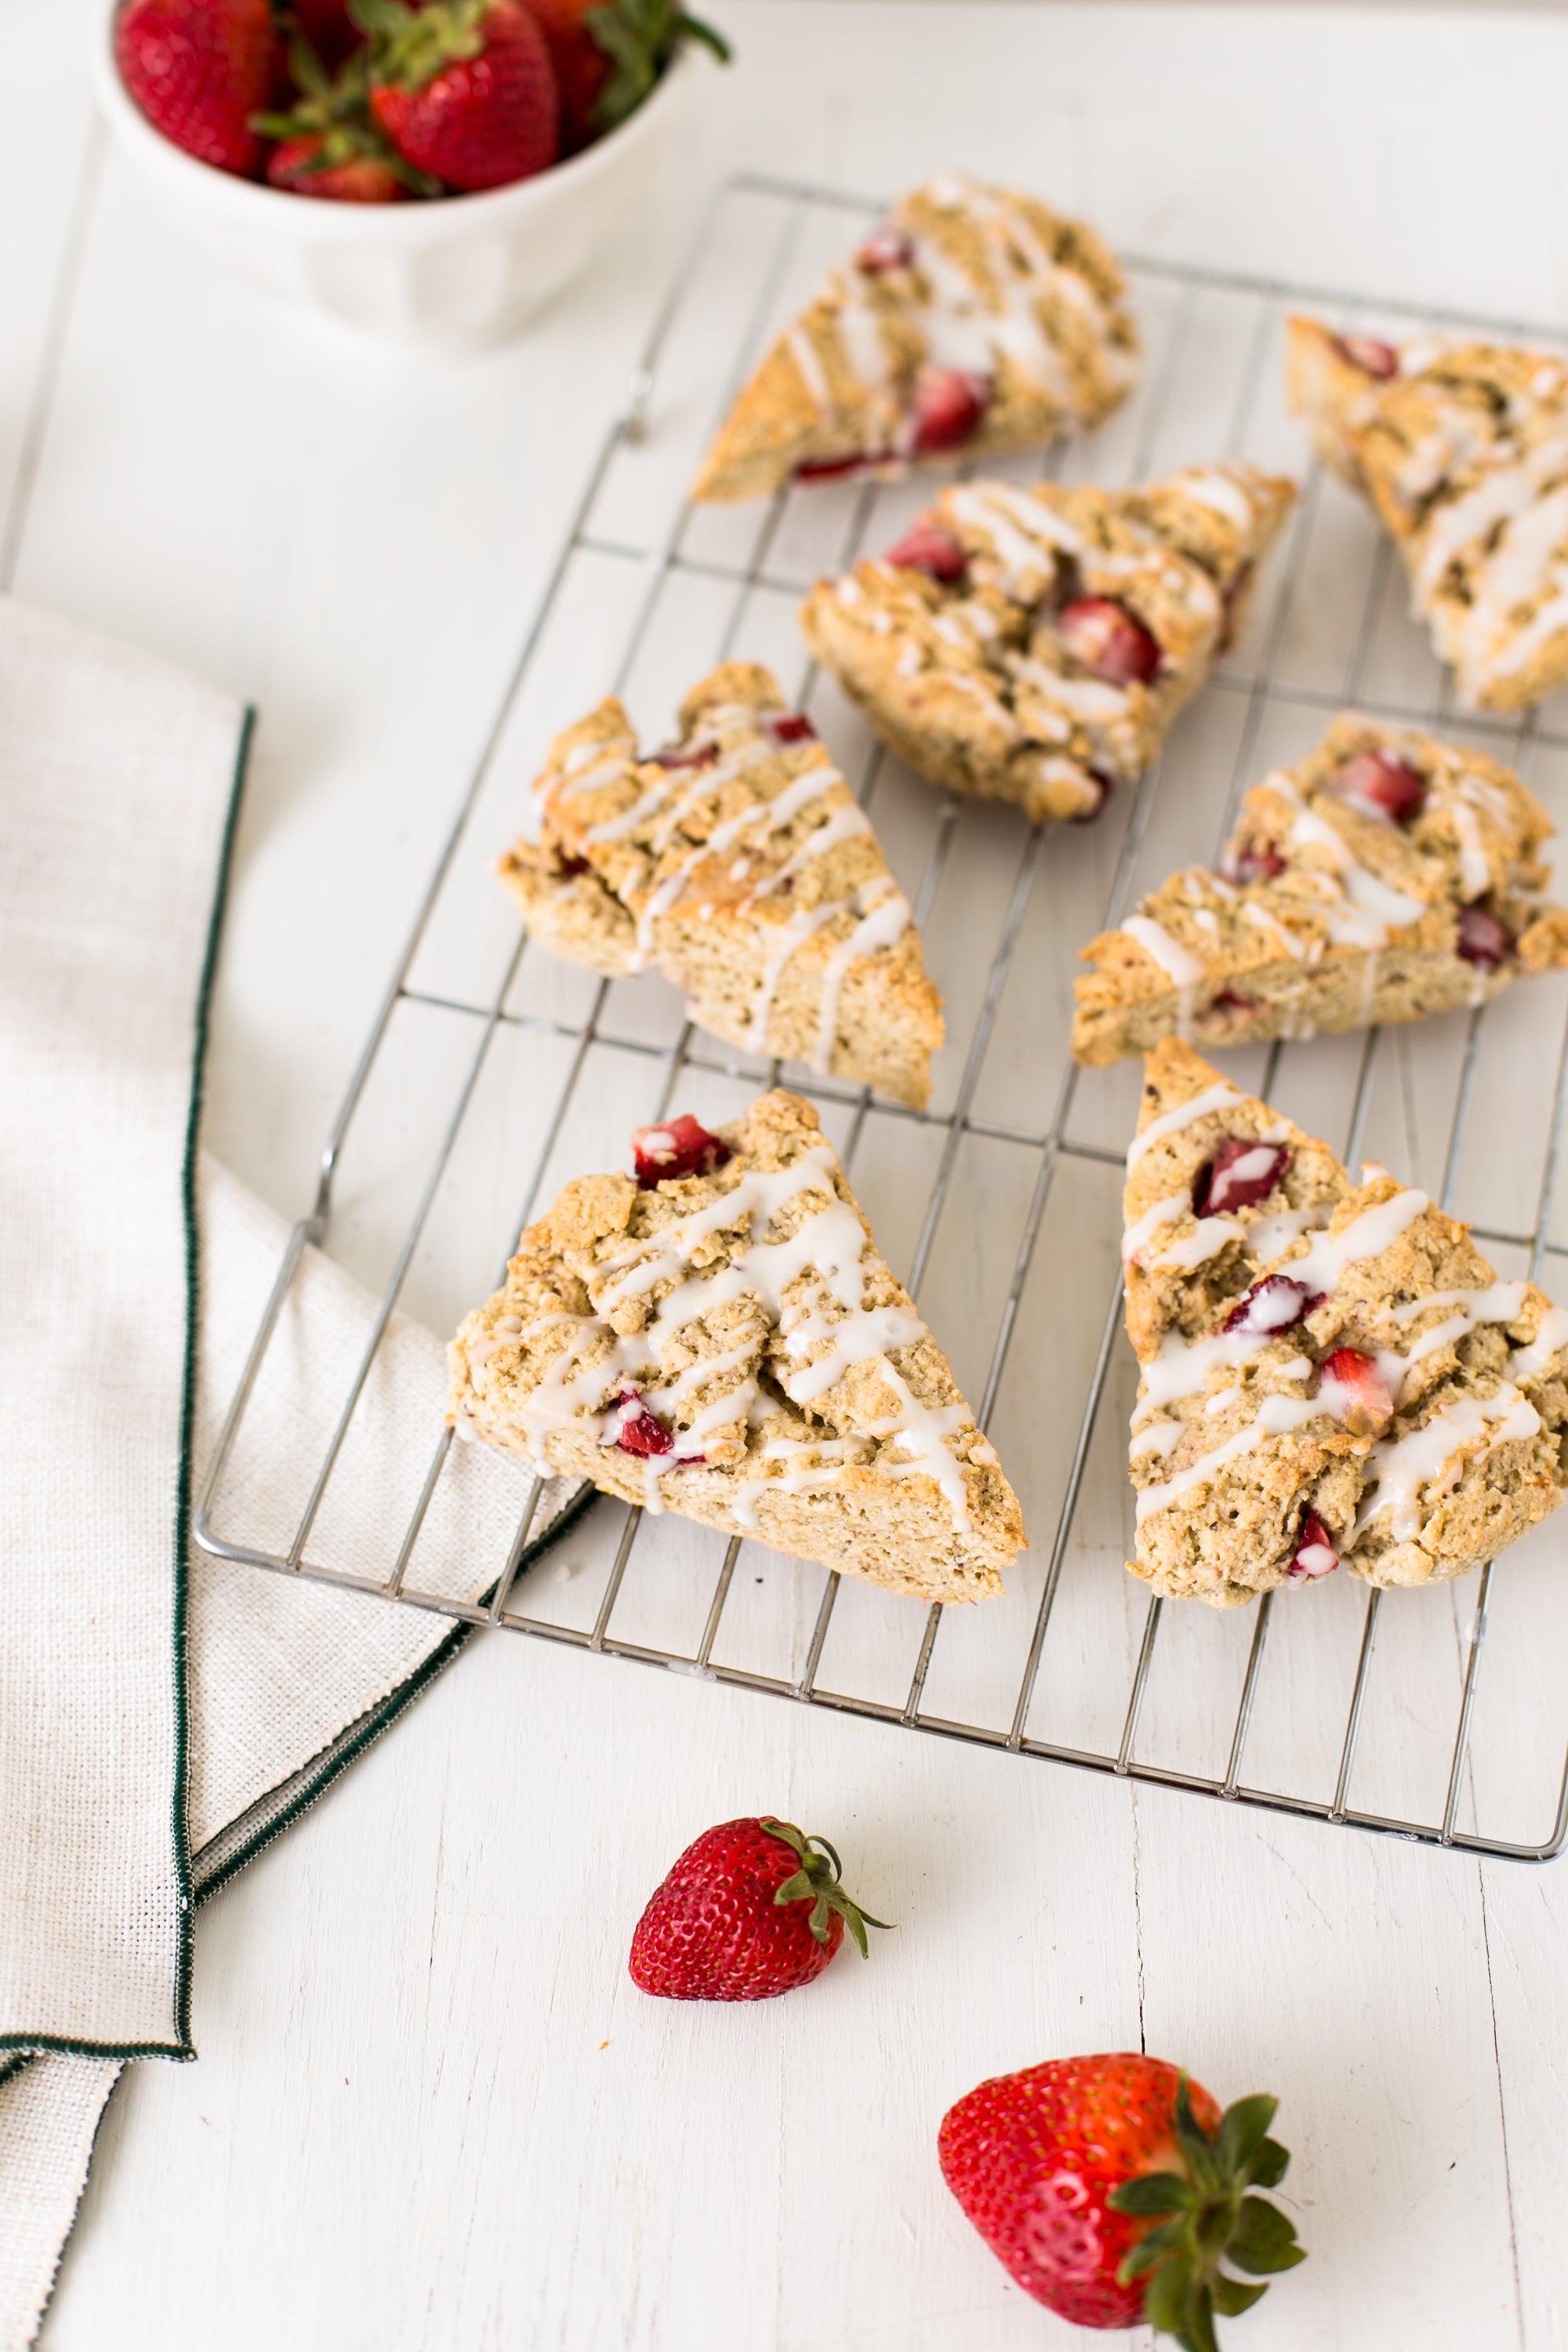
<point x="1000" y="1204"/>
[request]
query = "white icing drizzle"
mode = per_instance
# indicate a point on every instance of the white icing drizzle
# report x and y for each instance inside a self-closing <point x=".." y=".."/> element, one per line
<point x="1222" y="1095"/>
<point x="1264" y="921"/>
<point x="1553" y="1336"/>
<point x="1275" y="1416"/>
<point x="1207" y="1240"/>
<point x="1162" y="1437"/>
<point x="1178" y="963"/>
<point x="1271" y="1237"/>
<point x="1475" y="870"/>
<point x="813" y="374"/>
<point x="1024" y="534"/>
<point x="1213" y="487"/>
<point x="1366" y="1237"/>
<point x="1163" y="1212"/>
<point x="1402" y="1467"/>
<point x="883" y="923"/>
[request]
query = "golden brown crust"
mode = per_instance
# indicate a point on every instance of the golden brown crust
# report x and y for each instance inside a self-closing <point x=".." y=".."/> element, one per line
<point x="1462" y="451"/>
<point x="748" y="1312"/>
<point x="1365" y="922"/>
<point x="1414" y="1409"/>
<point x="738" y="862"/>
<point x="972" y="681"/>
<point x="996" y="287"/>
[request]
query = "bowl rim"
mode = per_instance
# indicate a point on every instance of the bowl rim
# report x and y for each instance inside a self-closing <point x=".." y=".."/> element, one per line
<point x="410" y="223"/>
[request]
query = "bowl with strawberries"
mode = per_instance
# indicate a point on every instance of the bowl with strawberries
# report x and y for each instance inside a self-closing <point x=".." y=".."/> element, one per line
<point x="426" y="173"/>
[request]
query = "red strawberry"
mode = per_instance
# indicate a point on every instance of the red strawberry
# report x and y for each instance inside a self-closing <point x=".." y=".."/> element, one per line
<point x="1365" y="351"/>
<point x="789" y="726"/>
<point x="1380" y="786"/>
<point x="581" y="67"/>
<point x="885" y="248"/>
<point x="750" y="1909"/>
<point x="681" y="1147"/>
<point x="464" y="89"/>
<point x="199" y="69"/>
<point x="682" y="755"/>
<point x="609" y="54"/>
<point x="1482" y="941"/>
<point x="930" y="547"/>
<point x="827" y="470"/>
<point x="1252" y="861"/>
<point x="1105" y="636"/>
<point x="328" y="27"/>
<point x="641" y="1432"/>
<point x="1274" y="1304"/>
<point x="1314" y="1554"/>
<point x="1352" y="1388"/>
<point x="1241" y="1173"/>
<point x="1112" y="2190"/>
<point x="327" y="146"/>
<point x="306" y="166"/>
<point x="949" y="403"/>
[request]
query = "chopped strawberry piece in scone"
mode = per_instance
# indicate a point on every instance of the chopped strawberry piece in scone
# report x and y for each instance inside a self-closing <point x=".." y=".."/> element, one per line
<point x="682" y="755"/>
<point x="1381" y="785"/>
<point x="1254" y="861"/>
<point x="1104" y="636"/>
<point x="789" y="726"/>
<point x="1314" y="1554"/>
<point x="639" y="1430"/>
<point x="1273" y="1305"/>
<point x="571" y="865"/>
<point x="1482" y="941"/>
<point x="1366" y="353"/>
<point x="1241" y="1173"/>
<point x="949" y="403"/>
<point x="1227" y="1001"/>
<point x="1350" y="1385"/>
<point x="885" y="248"/>
<point x="930" y="547"/>
<point x="681" y="1147"/>
<point x="1104" y="786"/>
<point x="827" y="470"/>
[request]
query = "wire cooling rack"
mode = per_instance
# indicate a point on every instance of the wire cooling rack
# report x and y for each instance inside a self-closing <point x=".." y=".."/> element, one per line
<point x="492" y="1074"/>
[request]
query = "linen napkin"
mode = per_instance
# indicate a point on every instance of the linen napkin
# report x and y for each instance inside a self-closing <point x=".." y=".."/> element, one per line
<point x="156" y="1703"/>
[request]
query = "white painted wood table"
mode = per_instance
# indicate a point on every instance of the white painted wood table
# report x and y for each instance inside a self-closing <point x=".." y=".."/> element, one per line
<point x="430" y="2110"/>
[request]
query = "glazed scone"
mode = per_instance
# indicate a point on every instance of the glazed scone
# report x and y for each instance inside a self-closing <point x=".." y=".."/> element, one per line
<point x="1462" y="450"/>
<point x="716" y="1336"/>
<point x="972" y="318"/>
<point x="1035" y="645"/>
<point x="1332" y="1373"/>
<point x="737" y="862"/>
<point x="1386" y="878"/>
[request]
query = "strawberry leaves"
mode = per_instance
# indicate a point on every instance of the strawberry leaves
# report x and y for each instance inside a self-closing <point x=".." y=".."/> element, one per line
<point x="639" y="38"/>
<point x="1206" y="2215"/>
<point x="819" y="1876"/>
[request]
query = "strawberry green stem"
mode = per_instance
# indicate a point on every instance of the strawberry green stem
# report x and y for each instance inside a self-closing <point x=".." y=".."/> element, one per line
<point x="819" y="1875"/>
<point x="1205" y="2216"/>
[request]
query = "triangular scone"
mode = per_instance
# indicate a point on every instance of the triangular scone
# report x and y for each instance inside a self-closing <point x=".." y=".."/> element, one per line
<point x="972" y="318"/>
<point x="1462" y="448"/>
<point x="1387" y="876"/>
<point x="739" y="863"/>
<point x="727" y="1343"/>
<point x="1035" y="645"/>
<point x="1331" y="1372"/>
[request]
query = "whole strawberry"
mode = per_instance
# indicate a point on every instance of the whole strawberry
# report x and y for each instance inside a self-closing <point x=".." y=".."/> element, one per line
<point x="609" y="54"/>
<point x="750" y="1909"/>
<point x="327" y="26"/>
<point x="463" y="89"/>
<point x="1113" y="2190"/>
<point x="199" y="69"/>
<point x="327" y="144"/>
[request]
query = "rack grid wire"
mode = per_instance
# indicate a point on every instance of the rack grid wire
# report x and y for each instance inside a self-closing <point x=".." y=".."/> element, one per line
<point x="483" y="1053"/>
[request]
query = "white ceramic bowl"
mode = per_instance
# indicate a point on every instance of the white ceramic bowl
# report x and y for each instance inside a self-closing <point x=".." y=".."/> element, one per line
<point x="455" y="273"/>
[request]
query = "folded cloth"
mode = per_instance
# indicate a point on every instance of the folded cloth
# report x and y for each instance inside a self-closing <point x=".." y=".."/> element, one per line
<point x="121" y="779"/>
